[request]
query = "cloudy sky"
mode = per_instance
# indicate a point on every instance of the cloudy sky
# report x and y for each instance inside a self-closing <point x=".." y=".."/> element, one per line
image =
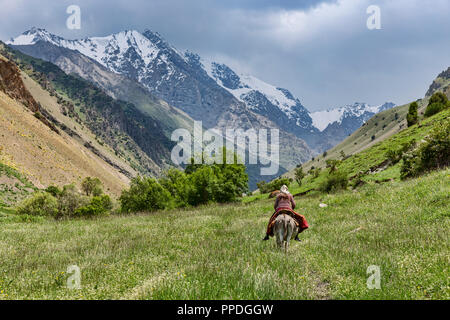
<point x="320" y="50"/>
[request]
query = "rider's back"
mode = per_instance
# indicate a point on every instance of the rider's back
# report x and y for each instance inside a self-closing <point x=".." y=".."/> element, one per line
<point x="284" y="201"/>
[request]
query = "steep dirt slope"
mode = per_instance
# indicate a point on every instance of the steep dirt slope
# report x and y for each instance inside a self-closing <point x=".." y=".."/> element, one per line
<point x="42" y="155"/>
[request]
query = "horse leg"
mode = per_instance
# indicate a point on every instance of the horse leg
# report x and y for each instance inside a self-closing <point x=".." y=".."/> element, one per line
<point x="289" y="233"/>
<point x="278" y="232"/>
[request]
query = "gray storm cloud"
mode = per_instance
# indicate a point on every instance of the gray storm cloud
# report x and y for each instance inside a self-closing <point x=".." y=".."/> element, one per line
<point x="320" y="50"/>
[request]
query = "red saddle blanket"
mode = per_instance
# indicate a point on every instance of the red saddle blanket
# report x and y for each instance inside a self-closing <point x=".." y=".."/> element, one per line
<point x="300" y="219"/>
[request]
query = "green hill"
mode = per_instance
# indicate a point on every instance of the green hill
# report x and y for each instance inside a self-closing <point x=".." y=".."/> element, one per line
<point x="365" y="151"/>
<point x="380" y="127"/>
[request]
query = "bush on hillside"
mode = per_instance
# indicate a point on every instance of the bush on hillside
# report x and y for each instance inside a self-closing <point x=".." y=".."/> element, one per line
<point x="231" y="183"/>
<point x="332" y="164"/>
<point x="434" y="153"/>
<point x="65" y="203"/>
<point x="334" y="181"/>
<point x="201" y="181"/>
<point x="39" y="204"/>
<point x="53" y="190"/>
<point x="437" y="103"/>
<point x="198" y="184"/>
<point x="395" y="155"/>
<point x="99" y="205"/>
<point x="69" y="201"/>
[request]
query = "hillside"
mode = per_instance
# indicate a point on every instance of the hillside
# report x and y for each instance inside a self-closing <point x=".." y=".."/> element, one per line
<point x="116" y="85"/>
<point x="137" y="139"/>
<point x="43" y="155"/>
<point x="216" y="252"/>
<point x="14" y="187"/>
<point x="379" y="128"/>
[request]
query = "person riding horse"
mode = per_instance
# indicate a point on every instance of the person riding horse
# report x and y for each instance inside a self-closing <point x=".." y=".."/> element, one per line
<point x="285" y="203"/>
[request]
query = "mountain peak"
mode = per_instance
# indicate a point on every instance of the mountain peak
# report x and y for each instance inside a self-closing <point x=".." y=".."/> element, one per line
<point x="154" y="37"/>
<point x="31" y="36"/>
<point x="357" y="110"/>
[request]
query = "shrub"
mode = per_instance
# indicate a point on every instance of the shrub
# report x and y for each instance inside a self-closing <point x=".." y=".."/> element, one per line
<point x="39" y="204"/>
<point x="53" y="190"/>
<point x="395" y="155"/>
<point x="314" y="172"/>
<point x="144" y="194"/>
<point x="434" y="153"/>
<point x="334" y="181"/>
<point x="261" y="186"/>
<point x="332" y="164"/>
<point x="70" y="200"/>
<point x="224" y="182"/>
<point x="437" y="103"/>
<point x="198" y="184"/>
<point x="99" y="205"/>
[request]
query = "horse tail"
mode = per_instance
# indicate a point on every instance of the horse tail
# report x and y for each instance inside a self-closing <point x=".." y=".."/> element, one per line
<point x="285" y="229"/>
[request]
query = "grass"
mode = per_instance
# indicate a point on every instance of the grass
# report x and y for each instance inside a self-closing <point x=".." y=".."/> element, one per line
<point x="216" y="252"/>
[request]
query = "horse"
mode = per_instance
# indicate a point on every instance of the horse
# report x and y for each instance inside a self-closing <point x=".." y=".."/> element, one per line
<point x="284" y="230"/>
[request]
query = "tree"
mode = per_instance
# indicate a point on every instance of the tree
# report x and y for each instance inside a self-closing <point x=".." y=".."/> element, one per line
<point x="92" y="186"/>
<point x="299" y="175"/>
<point x="411" y="117"/>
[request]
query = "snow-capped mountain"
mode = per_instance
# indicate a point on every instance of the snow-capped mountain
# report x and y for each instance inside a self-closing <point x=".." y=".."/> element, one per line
<point x="171" y="75"/>
<point x="206" y="90"/>
<point x="258" y="95"/>
<point x="361" y="111"/>
<point x="152" y="61"/>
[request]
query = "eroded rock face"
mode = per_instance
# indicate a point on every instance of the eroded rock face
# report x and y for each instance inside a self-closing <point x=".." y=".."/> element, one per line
<point x="11" y="83"/>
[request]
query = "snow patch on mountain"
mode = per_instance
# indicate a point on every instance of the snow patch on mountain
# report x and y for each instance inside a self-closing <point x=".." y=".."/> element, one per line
<point x="110" y="51"/>
<point x="322" y="119"/>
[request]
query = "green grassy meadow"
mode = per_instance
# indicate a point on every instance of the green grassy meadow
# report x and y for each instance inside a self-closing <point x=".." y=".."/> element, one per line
<point x="216" y="252"/>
